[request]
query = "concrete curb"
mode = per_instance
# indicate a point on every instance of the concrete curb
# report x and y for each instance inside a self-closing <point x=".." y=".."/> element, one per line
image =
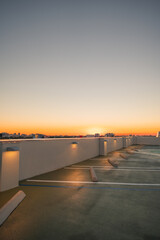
<point x="123" y="155"/>
<point x="93" y="175"/>
<point x="113" y="164"/>
<point x="129" y="151"/>
<point x="9" y="207"/>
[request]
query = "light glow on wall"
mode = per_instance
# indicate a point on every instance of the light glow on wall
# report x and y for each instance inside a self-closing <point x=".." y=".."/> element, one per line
<point x="105" y="147"/>
<point x="11" y="155"/>
<point x="74" y="145"/>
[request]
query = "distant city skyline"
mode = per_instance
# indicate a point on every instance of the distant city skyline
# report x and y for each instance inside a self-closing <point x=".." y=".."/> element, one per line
<point x="5" y="135"/>
<point x="82" y="132"/>
<point x="80" y="67"/>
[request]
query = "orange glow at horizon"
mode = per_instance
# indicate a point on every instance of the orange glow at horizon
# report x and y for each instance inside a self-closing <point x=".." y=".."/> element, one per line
<point x="82" y="130"/>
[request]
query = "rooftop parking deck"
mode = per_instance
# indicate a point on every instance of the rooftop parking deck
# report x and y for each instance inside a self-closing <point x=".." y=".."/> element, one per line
<point x="66" y="204"/>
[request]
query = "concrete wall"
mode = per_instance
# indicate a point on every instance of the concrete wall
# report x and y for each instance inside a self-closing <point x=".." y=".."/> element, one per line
<point x="110" y="144"/>
<point x="114" y="144"/>
<point x="9" y="166"/>
<point x="129" y="141"/>
<point x="148" y="140"/>
<point x="41" y="156"/>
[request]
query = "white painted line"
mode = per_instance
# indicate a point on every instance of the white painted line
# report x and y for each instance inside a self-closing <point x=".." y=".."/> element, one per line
<point x="154" y="168"/>
<point x="9" y="207"/>
<point x="93" y="159"/>
<point x="139" y="160"/>
<point x="77" y="168"/>
<point x="106" y="159"/>
<point x="118" y="169"/>
<point x="105" y="183"/>
<point x="131" y="170"/>
<point x="84" y="168"/>
<point x="88" y="166"/>
<point x="148" y="153"/>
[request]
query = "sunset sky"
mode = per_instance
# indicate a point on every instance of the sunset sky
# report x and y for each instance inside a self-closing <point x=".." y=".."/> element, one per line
<point x="80" y="66"/>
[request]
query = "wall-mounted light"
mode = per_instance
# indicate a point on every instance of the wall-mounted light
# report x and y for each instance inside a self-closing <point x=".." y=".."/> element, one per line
<point x="11" y="149"/>
<point x="115" y="140"/>
<point x="105" y="147"/>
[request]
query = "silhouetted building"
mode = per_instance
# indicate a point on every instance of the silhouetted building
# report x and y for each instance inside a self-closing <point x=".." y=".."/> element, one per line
<point x="97" y="135"/>
<point x="109" y="135"/>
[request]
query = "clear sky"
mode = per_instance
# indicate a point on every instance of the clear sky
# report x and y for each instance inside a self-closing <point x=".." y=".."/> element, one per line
<point x="78" y="67"/>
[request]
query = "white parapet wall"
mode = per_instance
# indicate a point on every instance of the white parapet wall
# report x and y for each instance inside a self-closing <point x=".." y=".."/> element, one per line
<point x="41" y="156"/>
<point x="148" y="140"/>
<point x="110" y="144"/>
<point x="129" y="141"/>
<point x="9" y="165"/>
<point x="22" y="159"/>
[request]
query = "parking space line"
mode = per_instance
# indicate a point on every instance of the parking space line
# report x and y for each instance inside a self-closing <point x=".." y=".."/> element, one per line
<point x="105" y="166"/>
<point x="98" y="159"/>
<point x="91" y="187"/>
<point x="99" y="183"/>
<point x="122" y="159"/>
<point x="138" y="160"/>
<point x="113" y="169"/>
<point x="148" y="153"/>
<point x="88" y="166"/>
<point x="145" y="168"/>
<point x="137" y="170"/>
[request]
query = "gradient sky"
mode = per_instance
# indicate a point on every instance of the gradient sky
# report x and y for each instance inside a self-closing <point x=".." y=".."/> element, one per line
<point x="77" y="67"/>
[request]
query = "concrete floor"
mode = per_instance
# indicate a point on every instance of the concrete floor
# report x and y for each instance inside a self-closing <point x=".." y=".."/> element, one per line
<point x="75" y="211"/>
